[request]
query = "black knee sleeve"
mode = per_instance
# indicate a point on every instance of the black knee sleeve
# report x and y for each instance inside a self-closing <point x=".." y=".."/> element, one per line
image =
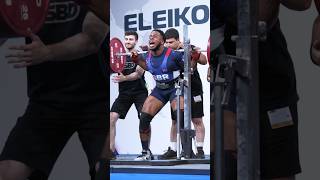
<point x="181" y="119"/>
<point x="174" y="117"/>
<point x="145" y="120"/>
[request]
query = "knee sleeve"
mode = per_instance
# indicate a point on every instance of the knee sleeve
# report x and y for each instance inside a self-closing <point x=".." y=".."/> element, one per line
<point x="174" y="117"/>
<point x="181" y="119"/>
<point x="145" y="120"/>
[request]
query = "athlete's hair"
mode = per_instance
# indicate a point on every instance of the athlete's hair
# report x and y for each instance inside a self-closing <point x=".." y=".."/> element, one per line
<point x="128" y="33"/>
<point x="161" y="33"/>
<point x="172" y="33"/>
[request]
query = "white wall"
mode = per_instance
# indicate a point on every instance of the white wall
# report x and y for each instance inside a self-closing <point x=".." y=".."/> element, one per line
<point x="127" y="139"/>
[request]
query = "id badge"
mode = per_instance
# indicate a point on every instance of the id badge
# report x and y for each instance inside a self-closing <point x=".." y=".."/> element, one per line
<point x="280" y="117"/>
<point x="197" y="98"/>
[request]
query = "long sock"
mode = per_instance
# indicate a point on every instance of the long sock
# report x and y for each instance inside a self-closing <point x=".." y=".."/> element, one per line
<point x="199" y="146"/>
<point x="174" y="146"/>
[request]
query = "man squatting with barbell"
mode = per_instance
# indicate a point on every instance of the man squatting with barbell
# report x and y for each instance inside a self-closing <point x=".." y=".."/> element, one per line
<point x="166" y="66"/>
<point x="67" y="93"/>
<point x="279" y="150"/>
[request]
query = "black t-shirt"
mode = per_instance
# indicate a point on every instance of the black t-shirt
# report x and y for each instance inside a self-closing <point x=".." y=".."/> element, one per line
<point x="277" y="76"/>
<point x="67" y="86"/>
<point x="129" y="87"/>
<point x="196" y="84"/>
<point x="277" y="81"/>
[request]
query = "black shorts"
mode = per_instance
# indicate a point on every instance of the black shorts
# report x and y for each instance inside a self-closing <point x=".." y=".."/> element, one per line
<point x="124" y="102"/>
<point x="196" y="107"/>
<point x="279" y="148"/>
<point x="38" y="139"/>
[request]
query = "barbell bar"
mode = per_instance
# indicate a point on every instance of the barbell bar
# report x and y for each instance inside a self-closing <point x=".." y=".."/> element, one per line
<point x="142" y="52"/>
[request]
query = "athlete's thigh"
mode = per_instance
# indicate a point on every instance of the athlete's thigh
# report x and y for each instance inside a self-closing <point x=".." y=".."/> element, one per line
<point x="152" y="105"/>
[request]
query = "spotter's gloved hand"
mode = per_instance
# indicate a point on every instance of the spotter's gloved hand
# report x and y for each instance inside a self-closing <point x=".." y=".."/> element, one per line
<point x="195" y="54"/>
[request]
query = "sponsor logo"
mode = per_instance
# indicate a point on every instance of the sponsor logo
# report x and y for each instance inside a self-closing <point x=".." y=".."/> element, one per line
<point x="61" y="12"/>
<point x="161" y="77"/>
<point x="168" y="18"/>
<point x="129" y="65"/>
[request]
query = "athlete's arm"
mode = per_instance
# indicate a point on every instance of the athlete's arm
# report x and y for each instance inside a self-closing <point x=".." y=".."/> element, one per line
<point x="135" y="75"/>
<point x="130" y="77"/>
<point x="85" y="43"/>
<point x="82" y="44"/>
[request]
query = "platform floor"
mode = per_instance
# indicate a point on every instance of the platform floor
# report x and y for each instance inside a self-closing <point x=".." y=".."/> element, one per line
<point x="126" y="164"/>
<point x="141" y="176"/>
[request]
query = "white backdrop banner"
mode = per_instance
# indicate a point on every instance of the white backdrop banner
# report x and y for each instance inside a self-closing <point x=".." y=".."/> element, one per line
<point x="143" y="16"/>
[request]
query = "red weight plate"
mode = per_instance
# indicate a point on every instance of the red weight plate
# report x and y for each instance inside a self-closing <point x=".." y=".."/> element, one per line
<point x="117" y="62"/>
<point x="22" y="15"/>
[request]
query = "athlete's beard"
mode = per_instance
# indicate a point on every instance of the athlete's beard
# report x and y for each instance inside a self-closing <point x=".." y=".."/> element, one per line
<point x="156" y="48"/>
<point x="131" y="46"/>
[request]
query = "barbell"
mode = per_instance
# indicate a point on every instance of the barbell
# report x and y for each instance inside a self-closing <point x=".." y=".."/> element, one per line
<point x="118" y="54"/>
<point x="143" y="52"/>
